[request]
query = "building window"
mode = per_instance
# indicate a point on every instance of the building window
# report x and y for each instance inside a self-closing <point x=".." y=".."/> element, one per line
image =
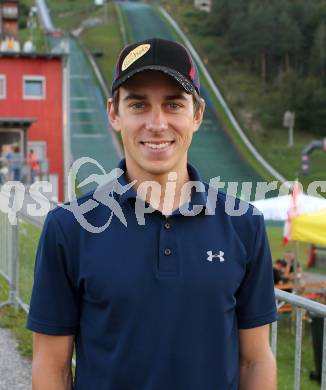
<point x="34" y="87"/>
<point x="10" y="12"/>
<point x="2" y="86"/>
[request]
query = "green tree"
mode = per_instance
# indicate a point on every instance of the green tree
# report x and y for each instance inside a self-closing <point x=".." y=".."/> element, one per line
<point x="262" y="33"/>
<point x="308" y="101"/>
<point x="288" y="42"/>
<point x="305" y="13"/>
<point x="318" y="54"/>
<point x="239" y="37"/>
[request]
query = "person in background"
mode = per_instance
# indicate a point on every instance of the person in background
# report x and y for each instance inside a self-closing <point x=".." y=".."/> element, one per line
<point x="32" y="161"/>
<point x="16" y="164"/>
<point x="289" y="273"/>
<point x="3" y="167"/>
<point x="8" y="158"/>
<point x="278" y="271"/>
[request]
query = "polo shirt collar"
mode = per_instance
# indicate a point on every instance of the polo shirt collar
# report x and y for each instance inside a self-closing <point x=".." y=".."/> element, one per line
<point x="197" y="198"/>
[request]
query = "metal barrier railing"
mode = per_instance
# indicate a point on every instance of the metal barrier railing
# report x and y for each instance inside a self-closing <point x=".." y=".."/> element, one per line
<point x="301" y="305"/>
<point x="18" y="243"/>
<point x="11" y="263"/>
<point x="9" y="258"/>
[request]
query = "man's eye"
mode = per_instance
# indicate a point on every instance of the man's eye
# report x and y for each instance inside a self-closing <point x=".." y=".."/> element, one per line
<point x="174" y="106"/>
<point x="137" y="106"/>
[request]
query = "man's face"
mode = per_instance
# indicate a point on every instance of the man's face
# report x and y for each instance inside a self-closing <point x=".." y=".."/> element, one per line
<point x="156" y="119"/>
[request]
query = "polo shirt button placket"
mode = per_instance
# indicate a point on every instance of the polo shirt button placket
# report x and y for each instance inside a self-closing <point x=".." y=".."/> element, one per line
<point x="167" y="225"/>
<point x="167" y="251"/>
<point x="168" y="262"/>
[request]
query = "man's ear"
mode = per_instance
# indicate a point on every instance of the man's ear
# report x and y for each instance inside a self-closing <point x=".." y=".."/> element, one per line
<point x="199" y="114"/>
<point x="113" y="116"/>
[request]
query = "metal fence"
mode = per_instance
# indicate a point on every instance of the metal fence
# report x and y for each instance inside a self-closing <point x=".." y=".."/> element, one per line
<point x="9" y="258"/>
<point x="17" y="265"/>
<point x="301" y="306"/>
<point x="18" y="243"/>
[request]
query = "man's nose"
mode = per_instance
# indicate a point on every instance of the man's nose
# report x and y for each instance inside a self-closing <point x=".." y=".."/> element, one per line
<point x="157" y="120"/>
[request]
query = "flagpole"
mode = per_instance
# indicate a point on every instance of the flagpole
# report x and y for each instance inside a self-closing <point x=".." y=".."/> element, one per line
<point x="295" y="266"/>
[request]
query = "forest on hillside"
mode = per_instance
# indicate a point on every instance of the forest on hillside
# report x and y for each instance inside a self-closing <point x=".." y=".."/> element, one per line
<point x="283" y="42"/>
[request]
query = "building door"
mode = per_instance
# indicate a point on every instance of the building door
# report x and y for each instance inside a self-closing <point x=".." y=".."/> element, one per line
<point x="12" y="137"/>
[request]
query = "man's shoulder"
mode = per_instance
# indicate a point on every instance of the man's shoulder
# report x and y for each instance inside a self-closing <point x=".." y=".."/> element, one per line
<point x="90" y="212"/>
<point x="65" y="213"/>
<point x="231" y="206"/>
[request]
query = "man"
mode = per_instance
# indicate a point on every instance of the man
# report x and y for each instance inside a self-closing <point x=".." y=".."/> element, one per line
<point x="181" y="297"/>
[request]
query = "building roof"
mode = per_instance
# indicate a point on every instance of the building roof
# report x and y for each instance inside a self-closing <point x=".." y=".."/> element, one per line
<point x="14" y="121"/>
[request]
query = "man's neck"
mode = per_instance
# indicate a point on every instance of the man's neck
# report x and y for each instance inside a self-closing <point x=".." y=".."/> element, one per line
<point x="169" y="198"/>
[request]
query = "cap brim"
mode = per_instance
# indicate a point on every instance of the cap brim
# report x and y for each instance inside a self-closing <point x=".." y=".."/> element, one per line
<point x="182" y="80"/>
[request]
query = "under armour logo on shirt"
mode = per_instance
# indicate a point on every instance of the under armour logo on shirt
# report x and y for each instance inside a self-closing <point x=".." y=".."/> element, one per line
<point x="212" y="256"/>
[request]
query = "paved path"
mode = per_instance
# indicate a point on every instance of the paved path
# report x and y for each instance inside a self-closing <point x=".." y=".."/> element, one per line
<point x="15" y="371"/>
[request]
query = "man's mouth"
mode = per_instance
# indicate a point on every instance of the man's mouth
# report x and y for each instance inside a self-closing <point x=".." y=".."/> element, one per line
<point x="157" y="145"/>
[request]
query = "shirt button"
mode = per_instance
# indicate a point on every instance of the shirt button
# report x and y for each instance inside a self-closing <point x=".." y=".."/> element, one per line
<point x="167" y="225"/>
<point x="167" y="252"/>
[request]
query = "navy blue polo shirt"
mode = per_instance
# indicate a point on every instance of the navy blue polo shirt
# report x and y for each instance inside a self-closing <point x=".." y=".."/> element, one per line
<point x="155" y="306"/>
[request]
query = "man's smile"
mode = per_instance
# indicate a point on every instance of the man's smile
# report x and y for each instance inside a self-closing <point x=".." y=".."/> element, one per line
<point x="157" y="145"/>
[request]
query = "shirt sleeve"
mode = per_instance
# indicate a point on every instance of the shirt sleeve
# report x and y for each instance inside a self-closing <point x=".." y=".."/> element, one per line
<point x="54" y="302"/>
<point x="256" y="304"/>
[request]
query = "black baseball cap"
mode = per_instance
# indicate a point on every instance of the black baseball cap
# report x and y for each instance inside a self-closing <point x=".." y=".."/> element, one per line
<point x="166" y="56"/>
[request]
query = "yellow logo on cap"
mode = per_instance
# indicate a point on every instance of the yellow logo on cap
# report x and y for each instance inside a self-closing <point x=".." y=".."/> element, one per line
<point x="134" y="55"/>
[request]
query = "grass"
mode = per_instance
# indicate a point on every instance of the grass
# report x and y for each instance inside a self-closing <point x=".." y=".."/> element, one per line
<point x="285" y="356"/>
<point x="247" y="99"/>
<point x="67" y="15"/>
<point x="275" y="235"/>
<point x="9" y="317"/>
<point x="15" y="321"/>
<point x="28" y="238"/>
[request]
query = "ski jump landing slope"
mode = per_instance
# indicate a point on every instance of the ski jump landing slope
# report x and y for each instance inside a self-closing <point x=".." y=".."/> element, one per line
<point x="90" y="135"/>
<point x="89" y="132"/>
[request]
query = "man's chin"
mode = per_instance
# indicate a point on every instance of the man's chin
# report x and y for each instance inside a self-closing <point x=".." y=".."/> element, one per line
<point x="158" y="167"/>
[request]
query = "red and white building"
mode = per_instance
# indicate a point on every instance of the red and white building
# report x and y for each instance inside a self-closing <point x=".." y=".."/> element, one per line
<point x="32" y="110"/>
<point x="33" y="102"/>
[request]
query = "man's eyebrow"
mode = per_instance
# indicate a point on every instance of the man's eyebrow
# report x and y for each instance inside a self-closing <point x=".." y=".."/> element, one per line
<point x="179" y="96"/>
<point x="134" y="96"/>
